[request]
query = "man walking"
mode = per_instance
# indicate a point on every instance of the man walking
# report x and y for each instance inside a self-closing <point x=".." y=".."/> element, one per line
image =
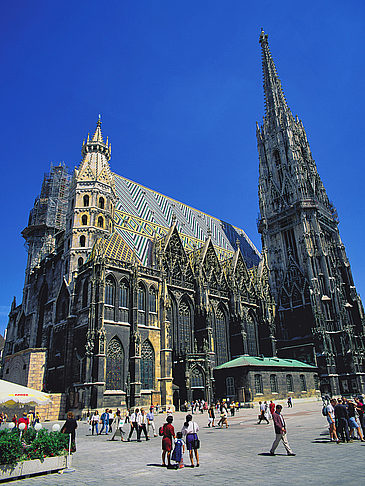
<point x="134" y="425"/>
<point x="105" y="421"/>
<point x="142" y="424"/>
<point x="263" y="410"/>
<point x="280" y="431"/>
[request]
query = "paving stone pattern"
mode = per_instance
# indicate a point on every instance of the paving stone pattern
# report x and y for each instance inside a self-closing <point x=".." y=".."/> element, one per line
<point x="237" y="455"/>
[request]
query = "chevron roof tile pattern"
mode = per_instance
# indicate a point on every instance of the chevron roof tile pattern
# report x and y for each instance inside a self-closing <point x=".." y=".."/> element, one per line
<point x="143" y="214"/>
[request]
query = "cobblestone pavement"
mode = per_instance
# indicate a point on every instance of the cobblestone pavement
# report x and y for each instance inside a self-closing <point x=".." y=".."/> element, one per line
<point x="236" y="455"/>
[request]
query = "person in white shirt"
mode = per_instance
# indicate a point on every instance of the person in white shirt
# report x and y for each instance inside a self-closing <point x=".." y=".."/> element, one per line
<point x="331" y="420"/>
<point x="95" y="419"/>
<point x="134" y="425"/>
<point x="189" y="431"/>
<point x="142" y="424"/>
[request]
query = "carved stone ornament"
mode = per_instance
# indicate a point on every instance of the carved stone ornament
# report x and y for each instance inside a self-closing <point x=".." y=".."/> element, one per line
<point x="137" y="342"/>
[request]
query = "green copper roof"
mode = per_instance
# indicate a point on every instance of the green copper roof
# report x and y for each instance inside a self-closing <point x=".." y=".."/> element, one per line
<point x="258" y="361"/>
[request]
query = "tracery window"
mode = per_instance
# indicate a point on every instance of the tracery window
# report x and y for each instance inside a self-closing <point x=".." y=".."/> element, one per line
<point x="141" y="304"/>
<point x="152" y="318"/>
<point x="115" y="365"/>
<point x="289" y="383"/>
<point x="85" y="291"/>
<point x="251" y="337"/>
<point x="274" y="384"/>
<point x="109" y="291"/>
<point x="197" y="378"/>
<point x="86" y="201"/>
<point x="123" y="301"/>
<point x="184" y="329"/>
<point x="221" y="347"/>
<point x="147" y="366"/>
<point x="258" y="384"/>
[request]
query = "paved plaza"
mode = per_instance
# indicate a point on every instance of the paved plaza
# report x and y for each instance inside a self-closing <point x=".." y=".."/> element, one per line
<point x="236" y="455"/>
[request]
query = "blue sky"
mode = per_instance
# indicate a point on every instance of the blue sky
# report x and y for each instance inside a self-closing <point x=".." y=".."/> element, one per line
<point x="179" y="87"/>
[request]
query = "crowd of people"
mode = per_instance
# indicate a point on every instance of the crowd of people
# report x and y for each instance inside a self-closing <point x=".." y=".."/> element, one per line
<point x="345" y="418"/>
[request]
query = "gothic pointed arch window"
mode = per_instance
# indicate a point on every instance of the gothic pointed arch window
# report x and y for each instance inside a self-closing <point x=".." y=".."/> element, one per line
<point x="115" y="365"/>
<point x="100" y="222"/>
<point x="86" y="200"/>
<point x="141" y="304"/>
<point x="109" y="291"/>
<point x="152" y="304"/>
<point x="147" y="366"/>
<point x="85" y="292"/>
<point x="279" y="170"/>
<point x="82" y="240"/>
<point x="124" y="301"/>
<point x="84" y="220"/>
<point x="101" y="202"/>
<point x="80" y="262"/>
<point x="251" y="333"/>
<point x="184" y="328"/>
<point x="196" y="377"/>
<point x="221" y="344"/>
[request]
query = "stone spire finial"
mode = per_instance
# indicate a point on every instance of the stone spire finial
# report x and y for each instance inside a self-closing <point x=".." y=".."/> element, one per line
<point x="275" y="102"/>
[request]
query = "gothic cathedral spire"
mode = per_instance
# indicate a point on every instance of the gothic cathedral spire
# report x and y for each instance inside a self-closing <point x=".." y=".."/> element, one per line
<point x="320" y="315"/>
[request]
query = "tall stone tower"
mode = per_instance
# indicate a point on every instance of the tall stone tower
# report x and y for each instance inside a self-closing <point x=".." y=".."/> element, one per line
<point x="91" y="202"/>
<point x="320" y="315"/>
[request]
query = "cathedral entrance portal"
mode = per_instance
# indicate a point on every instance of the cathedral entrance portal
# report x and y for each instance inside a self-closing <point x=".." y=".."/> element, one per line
<point x="198" y="394"/>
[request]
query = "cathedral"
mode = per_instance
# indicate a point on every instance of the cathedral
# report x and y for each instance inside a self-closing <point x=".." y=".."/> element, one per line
<point x="133" y="298"/>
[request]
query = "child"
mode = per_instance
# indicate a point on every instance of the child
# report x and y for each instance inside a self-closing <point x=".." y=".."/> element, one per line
<point x="179" y="450"/>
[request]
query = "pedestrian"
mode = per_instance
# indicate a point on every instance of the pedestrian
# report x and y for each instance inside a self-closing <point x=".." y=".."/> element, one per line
<point x="280" y="431"/>
<point x="168" y="433"/>
<point x="211" y="416"/>
<point x="142" y="424"/>
<point x="69" y="427"/>
<point x="290" y="402"/>
<point x="224" y="416"/>
<point x="262" y="416"/>
<point x="232" y="409"/>
<point x="190" y="431"/>
<point x="151" y="422"/>
<point x="330" y="410"/>
<point x="15" y="419"/>
<point x="272" y="407"/>
<point x="360" y="408"/>
<point x="105" y="421"/>
<point x="179" y="450"/>
<point x="342" y="417"/>
<point x="127" y="416"/>
<point x="119" y="423"/>
<point x="134" y="425"/>
<point x="95" y="419"/>
<point x="111" y="419"/>
<point x="37" y="419"/>
<point x="352" y="421"/>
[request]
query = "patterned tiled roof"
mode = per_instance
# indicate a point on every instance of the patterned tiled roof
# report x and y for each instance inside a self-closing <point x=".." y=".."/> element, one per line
<point x="143" y="214"/>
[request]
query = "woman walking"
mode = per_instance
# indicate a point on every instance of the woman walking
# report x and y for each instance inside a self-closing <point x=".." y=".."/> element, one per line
<point x="168" y="433"/>
<point x="69" y="427"/>
<point x="95" y="422"/>
<point x="189" y="431"/>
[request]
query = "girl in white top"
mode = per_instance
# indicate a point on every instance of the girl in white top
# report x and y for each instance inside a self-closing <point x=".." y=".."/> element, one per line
<point x="95" y="419"/>
<point x="189" y="431"/>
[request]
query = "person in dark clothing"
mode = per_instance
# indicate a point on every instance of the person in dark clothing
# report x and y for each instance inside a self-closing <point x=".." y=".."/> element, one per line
<point x="342" y="418"/>
<point x="69" y="427"/>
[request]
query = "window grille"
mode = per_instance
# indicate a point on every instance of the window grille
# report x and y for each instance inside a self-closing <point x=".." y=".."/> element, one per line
<point x="273" y="384"/>
<point x="197" y="378"/>
<point x="230" y="389"/>
<point x="258" y="384"/>
<point x="303" y="383"/>
<point x="289" y="383"/>
<point x="109" y="292"/>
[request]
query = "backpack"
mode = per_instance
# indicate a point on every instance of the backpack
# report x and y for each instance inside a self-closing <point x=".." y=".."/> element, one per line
<point x="160" y="430"/>
<point x="324" y="411"/>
